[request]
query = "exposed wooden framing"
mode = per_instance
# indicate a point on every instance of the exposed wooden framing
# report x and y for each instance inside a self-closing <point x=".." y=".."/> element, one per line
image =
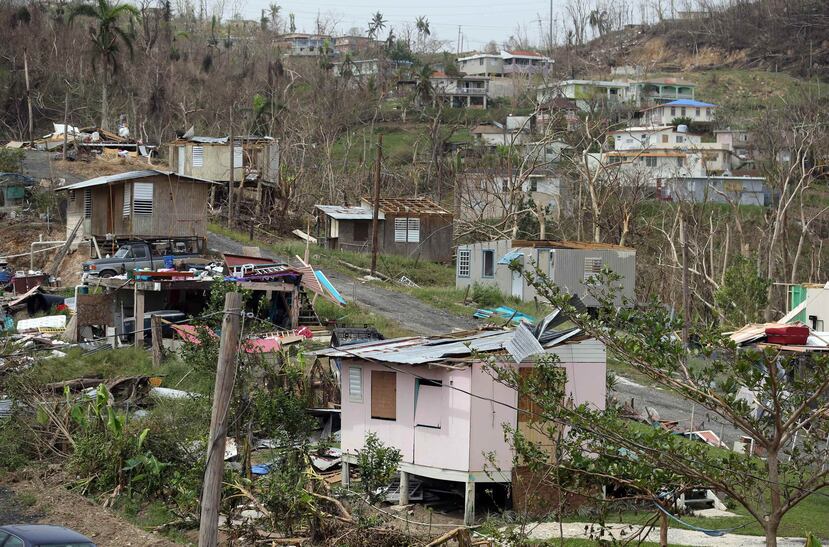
<point x="469" y="504"/>
<point x="155" y="326"/>
<point x="138" y="314"/>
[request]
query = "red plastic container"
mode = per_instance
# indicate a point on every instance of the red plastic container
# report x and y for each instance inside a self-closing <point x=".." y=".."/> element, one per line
<point x="789" y="335"/>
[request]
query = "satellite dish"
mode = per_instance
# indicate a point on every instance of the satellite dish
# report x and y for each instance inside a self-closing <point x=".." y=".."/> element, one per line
<point x="189" y="133"/>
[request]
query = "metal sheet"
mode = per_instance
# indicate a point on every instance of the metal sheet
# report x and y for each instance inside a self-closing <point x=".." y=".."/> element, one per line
<point x="340" y="212"/>
<point x="129" y="175"/>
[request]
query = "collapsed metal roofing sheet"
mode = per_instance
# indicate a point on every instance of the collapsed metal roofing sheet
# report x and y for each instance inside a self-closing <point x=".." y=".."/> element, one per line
<point x="341" y="212"/>
<point x="421" y="350"/>
<point x="129" y="175"/>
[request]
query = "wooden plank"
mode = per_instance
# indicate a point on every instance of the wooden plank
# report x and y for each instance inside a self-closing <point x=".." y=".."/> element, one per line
<point x="383" y="394"/>
<point x="138" y="314"/>
<point x="95" y="309"/>
<point x="158" y="351"/>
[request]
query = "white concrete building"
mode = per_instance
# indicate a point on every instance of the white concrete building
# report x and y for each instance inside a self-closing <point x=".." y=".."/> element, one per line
<point x="696" y="111"/>
<point x="505" y="63"/>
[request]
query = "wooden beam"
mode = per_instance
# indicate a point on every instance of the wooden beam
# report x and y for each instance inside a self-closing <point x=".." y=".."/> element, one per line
<point x="225" y="377"/>
<point x="158" y="350"/>
<point x="138" y="314"/>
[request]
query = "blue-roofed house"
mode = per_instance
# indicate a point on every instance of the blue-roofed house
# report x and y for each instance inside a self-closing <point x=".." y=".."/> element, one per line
<point x="663" y="114"/>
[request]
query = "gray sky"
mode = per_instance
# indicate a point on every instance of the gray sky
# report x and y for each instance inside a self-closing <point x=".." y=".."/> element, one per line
<point x="481" y="21"/>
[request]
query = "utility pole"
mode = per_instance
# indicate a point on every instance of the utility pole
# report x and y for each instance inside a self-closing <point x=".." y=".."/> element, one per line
<point x="375" y="215"/>
<point x="230" y="177"/>
<point x="686" y="296"/>
<point x="551" y="28"/>
<point x="459" y="40"/>
<point x="225" y="377"/>
<point x="28" y="96"/>
<point x="65" y="122"/>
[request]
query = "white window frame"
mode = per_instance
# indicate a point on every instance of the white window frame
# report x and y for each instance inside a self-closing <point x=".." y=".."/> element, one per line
<point x="197" y="156"/>
<point x="141" y="205"/>
<point x="355" y="389"/>
<point x="464" y="262"/>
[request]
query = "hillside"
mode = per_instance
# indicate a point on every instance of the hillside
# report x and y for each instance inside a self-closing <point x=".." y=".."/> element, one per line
<point x="791" y="37"/>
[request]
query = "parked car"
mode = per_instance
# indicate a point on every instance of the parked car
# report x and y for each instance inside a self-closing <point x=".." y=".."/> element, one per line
<point x="41" y="535"/>
<point x="140" y="254"/>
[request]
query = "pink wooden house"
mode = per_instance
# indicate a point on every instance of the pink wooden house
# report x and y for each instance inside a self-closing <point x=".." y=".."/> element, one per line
<point x="436" y="403"/>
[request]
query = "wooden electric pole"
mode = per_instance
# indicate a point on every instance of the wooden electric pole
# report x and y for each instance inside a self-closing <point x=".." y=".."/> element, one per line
<point x="686" y="293"/>
<point x="375" y="216"/>
<point x="230" y="177"/>
<point x="28" y="96"/>
<point x="225" y="376"/>
<point x="65" y="122"/>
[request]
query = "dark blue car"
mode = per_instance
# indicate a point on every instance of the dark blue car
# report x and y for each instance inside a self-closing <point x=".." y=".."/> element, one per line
<point x="41" y="535"/>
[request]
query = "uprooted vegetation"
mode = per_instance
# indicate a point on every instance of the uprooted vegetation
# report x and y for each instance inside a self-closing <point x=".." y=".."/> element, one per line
<point x="99" y="419"/>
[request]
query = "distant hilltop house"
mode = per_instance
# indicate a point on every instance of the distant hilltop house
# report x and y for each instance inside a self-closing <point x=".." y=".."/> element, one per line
<point x="204" y="157"/>
<point x="415" y="227"/>
<point x="460" y="91"/>
<point x="505" y="63"/>
<point x="638" y="93"/>
<point x="568" y="264"/>
<point x="301" y="44"/>
<point x="486" y="194"/>
<point x="147" y="203"/>
<point x="695" y="111"/>
<point x="737" y="190"/>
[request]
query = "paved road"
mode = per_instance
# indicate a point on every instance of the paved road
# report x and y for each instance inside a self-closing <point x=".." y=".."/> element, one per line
<point x="421" y="318"/>
<point x="409" y="312"/>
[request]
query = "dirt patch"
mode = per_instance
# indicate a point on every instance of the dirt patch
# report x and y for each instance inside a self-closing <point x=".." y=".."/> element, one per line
<point x="34" y="501"/>
<point x="104" y="165"/>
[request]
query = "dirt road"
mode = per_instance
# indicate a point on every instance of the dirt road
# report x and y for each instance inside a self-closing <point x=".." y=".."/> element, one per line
<point x="33" y="501"/>
<point x="411" y="313"/>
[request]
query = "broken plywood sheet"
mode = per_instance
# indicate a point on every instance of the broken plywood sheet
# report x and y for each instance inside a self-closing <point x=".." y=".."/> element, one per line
<point x="95" y="309"/>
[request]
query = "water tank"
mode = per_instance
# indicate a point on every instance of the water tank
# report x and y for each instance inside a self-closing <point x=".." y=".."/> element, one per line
<point x="682" y="128"/>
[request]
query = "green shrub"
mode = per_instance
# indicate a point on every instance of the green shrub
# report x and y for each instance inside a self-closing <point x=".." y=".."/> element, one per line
<point x="11" y="160"/>
<point x="487" y="295"/>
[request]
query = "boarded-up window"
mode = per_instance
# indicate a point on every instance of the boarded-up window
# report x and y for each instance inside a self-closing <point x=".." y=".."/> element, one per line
<point x="143" y="201"/>
<point x="383" y="395"/>
<point x="528" y="410"/>
<point x="463" y="262"/>
<point x="87" y="203"/>
<point x="406" y="230"/>
<point x="489" y="263"/>
<point x="355" y="384"/>
<point x="428" y="403"/>
<point x="592" y="267"/>
<point x="198" y="156"/>
<point x="127" y="199"/>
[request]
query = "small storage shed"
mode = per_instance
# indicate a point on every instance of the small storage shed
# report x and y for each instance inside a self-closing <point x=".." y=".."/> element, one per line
<point x="414" y="227"/>
<point x="138" y="204"/>
<point x="435" y="400"/>
<point x="568" y="264"/>
<point x="254" y="158"/>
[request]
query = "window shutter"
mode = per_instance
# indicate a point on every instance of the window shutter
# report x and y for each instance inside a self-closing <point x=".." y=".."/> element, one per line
<point x="87" y="203"/>
<point x="383" y="395"/>
<point x="400" y="226"/>
<point x="355" y="384"/>
<point x="127" y="199"/>
<point x="463" y="262"/>
<point x="592" y="267"/>
<point x="143" y="200"/>
<point x="237" y="156"/>
<point x="414" y="230"/>
<point x="198" y="156"/>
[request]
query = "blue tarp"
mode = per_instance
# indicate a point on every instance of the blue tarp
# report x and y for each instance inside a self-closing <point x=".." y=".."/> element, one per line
<point x="688" y="102"/>
<point x="329" y="287"/>
<point x="510" y="256"/>
<point x="503" y="312"/>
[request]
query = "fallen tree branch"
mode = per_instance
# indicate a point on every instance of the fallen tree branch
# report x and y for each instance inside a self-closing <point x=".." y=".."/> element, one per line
<point x="366" y="271"/>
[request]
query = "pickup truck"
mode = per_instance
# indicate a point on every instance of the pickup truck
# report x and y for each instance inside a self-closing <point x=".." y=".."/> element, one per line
<point x="138" y="255"/>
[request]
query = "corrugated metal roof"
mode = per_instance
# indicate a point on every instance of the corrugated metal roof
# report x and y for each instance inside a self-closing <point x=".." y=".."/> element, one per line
<point x="208" y="140"/>
<point x="421" y="350"/>
<point x="341" y="212"/>
<point x="129" y="175"/>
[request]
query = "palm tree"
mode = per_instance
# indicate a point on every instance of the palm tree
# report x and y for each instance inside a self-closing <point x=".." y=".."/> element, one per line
<point x="106" y="39"/>
<point x="422" y="26"/>
<point x="376" y="24"/>
<point x="423" y="88"/>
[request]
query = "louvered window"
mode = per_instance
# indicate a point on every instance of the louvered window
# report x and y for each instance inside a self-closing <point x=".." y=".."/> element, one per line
<point x="355" y="384"/>
<point x="592" y="267"/>
<point x="198" y="156"/>
<point x="143" y="198"/>
<point x="87" y="203"/>
<point x="237" y="156"/>
<point x="406" y="230"/>
<point x="127" y="199"/>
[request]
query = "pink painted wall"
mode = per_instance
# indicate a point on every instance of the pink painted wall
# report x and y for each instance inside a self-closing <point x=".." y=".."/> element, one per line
<point x="469" y="426"/>
<point x="487" y="431"/>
